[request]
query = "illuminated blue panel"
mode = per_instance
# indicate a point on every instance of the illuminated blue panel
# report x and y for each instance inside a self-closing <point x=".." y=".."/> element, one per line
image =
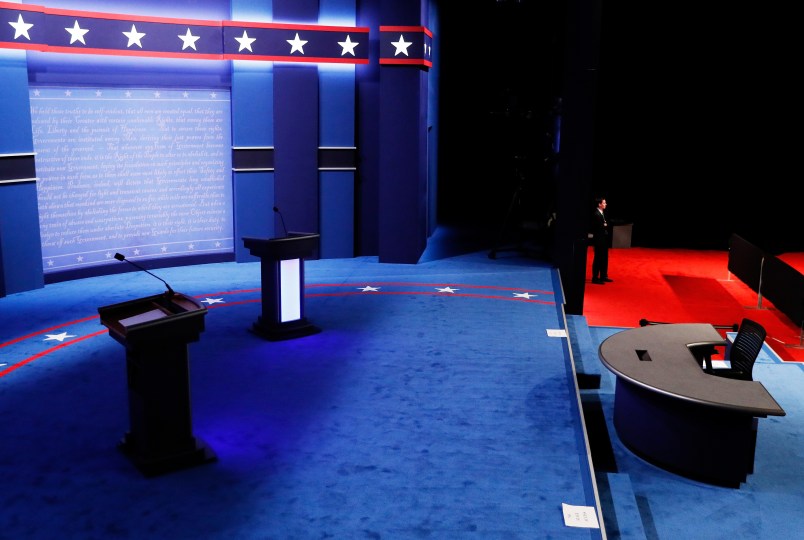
<point x="142" y="171"/>
<point x="337" y="107"/>
<point x="337" y="12"/>
<point x="290" y="290"/>
<point x="253" y="104"/>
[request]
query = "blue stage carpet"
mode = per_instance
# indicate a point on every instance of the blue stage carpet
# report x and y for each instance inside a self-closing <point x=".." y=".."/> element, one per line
<point x="433" y="404"/>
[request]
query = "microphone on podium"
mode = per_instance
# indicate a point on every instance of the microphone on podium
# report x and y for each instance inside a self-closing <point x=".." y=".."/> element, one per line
<point x="121" y="257"/>
<point x="281" y="219"/>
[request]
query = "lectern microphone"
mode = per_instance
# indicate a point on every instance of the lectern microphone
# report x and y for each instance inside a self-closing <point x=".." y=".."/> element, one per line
<point x="121" y="257"/>
<point x="281" y="219"/>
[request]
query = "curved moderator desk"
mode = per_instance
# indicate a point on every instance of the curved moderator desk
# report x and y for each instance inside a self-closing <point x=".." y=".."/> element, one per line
<point x="671" y="413"/>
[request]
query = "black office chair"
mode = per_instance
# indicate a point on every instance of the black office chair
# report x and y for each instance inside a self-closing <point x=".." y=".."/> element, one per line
<point x="741" y="354"/>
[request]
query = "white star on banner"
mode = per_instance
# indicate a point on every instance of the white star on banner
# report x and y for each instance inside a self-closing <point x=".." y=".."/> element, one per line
<point x="245" y="42"/>
<point x="21" y="28"/>
<point x="446" y="289"/>
<point x="348" y="46"/>
<point x="134" y="37"/>
<point x="296" y="44"/>
<point x="401" y="45"/>
<point x="189" y="40"/>
<point x="58" y="337"/>
<point x="212" y="301"/>
<point x="525" y="295"/>
<point x="368" y="288"/>
<point x="77" y="33"/>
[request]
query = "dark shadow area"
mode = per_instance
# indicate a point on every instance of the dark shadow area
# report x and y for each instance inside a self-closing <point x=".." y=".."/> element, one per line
<point x="598" y="432"/>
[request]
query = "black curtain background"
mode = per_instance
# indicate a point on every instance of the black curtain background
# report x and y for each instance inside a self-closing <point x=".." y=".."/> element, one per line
<point x="698" y="110"/>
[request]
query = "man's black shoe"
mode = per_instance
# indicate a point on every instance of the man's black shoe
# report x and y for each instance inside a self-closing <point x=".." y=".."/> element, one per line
<point x="607" y="280"/>
<point x="598" y="282"/>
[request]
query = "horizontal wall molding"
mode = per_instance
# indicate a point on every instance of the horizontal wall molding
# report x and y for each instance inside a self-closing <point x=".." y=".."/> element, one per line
<point x="17" y="167"/>
<point x="337" y="158"/>
<point x="252" y="158"/>
<point x="261" y="158"/>
<point x="19" y="181"/>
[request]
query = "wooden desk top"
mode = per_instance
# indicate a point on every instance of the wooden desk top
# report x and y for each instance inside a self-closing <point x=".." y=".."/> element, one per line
<point x="667" y="366"/>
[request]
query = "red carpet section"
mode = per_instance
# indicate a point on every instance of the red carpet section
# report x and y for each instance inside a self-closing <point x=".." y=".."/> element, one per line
<point x="672" y="285"/>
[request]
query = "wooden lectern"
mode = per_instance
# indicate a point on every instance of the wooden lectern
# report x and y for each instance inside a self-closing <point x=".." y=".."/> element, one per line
<point x="156" y="332"/>
<point x="282" y="273"/>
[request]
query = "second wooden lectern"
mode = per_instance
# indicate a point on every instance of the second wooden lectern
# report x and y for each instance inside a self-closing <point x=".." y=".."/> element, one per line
<point x="156" y="331"/>
<point x="282" y="274"/>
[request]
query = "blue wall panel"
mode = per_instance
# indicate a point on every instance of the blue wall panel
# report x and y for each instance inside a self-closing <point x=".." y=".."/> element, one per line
<point x="20" y="245"/>
<point x="296" y="136"/>
<point x="337" y="214"/>
<point x="19" y="235"/>
<point x="253" y="210"/>
<point x="252" y="105"/>
<point x="337" y="103"/>
<point x="403" y="181"/>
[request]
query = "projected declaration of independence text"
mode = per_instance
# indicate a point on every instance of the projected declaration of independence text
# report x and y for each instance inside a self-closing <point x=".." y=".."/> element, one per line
<point x="143" y="171"/>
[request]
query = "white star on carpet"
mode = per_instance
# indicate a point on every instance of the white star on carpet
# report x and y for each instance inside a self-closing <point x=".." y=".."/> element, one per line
<point x="212" y="301"/>
<point x="446" y="289"/>
<point x="525" y="295"/>
<point x="58" y="337"/>
<point x="368" y="288"/>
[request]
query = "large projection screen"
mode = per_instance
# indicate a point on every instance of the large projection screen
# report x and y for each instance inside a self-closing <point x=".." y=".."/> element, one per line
<point x="141" y="171"/>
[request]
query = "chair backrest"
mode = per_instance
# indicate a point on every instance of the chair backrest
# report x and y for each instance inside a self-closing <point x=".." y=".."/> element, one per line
<point x="745" y="349"/>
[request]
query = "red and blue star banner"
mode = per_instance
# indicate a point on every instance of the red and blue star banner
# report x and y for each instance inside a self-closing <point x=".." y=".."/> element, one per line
<point x="294" y="43"/>
<point x="406" y="45"/>
<point x="70" y="31"/>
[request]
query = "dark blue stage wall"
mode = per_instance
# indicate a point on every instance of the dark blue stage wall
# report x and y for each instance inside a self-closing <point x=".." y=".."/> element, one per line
<point x="169" y="131"/>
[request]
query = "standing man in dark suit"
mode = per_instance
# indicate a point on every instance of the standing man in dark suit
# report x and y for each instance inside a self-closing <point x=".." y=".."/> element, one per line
<point x="600" y="241"/>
